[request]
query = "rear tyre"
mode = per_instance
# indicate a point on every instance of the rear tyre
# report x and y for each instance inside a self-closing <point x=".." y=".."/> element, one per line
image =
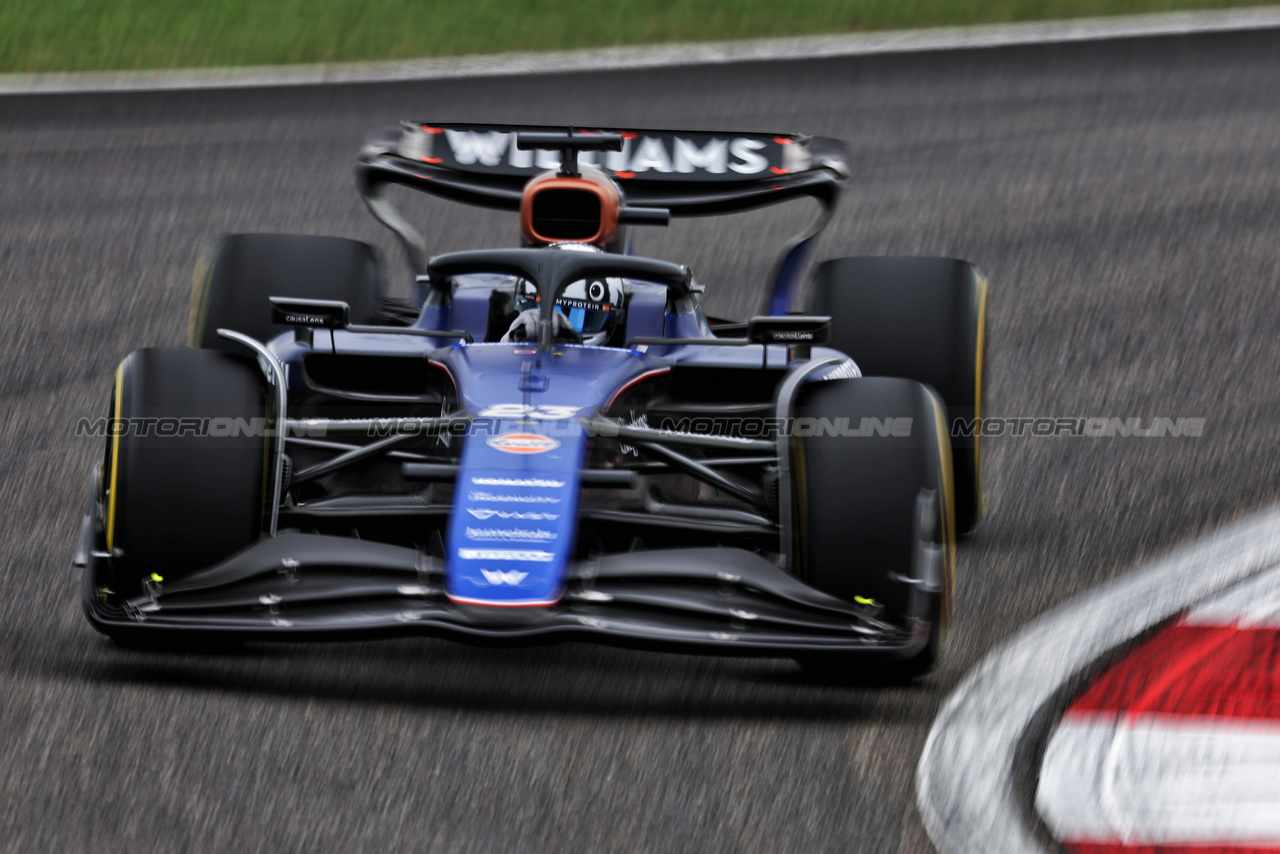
<point x="183" y="482"/>
<point x="248" y="269"/>
<point x="923" y="319"/>
<point x="871" y="510"/>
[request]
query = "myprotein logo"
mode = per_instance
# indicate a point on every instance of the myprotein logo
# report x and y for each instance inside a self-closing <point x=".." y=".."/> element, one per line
<point x="523" y="443"/>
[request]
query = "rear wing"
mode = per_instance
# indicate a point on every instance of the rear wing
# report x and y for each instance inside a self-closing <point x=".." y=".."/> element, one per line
<point x="687" y="173"/>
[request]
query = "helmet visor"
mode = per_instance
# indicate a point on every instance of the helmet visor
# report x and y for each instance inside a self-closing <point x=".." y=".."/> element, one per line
<point x="584" y="316"/>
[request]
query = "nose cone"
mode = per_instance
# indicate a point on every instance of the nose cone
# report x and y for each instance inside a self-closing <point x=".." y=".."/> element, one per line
<point x="512" y="532"/>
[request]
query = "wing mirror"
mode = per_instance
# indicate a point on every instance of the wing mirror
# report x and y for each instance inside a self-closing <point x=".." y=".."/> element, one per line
<point x="310" y="313"/>
<point x="798" y="331"/>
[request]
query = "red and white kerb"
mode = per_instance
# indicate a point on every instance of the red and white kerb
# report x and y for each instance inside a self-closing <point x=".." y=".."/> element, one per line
<point x="1176" y="749"/>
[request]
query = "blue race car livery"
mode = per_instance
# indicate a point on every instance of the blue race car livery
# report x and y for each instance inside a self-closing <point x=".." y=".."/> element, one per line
<point x="552" y="441"/>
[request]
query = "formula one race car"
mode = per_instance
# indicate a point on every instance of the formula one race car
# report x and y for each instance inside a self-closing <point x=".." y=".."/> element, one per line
<point x="553" y="441"/>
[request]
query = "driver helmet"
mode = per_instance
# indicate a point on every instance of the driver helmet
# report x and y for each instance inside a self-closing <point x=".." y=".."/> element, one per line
<point x="593" y="307"/>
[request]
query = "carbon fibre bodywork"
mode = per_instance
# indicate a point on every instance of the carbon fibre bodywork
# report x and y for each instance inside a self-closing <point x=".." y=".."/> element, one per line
<point x="436" y="478"/>
<point x="304" y="587"/>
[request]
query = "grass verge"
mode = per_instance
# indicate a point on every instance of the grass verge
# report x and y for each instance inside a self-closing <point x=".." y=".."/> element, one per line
<point x="91" y="35"/>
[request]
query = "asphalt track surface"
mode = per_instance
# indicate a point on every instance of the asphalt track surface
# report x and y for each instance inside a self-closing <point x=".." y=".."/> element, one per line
<point x="1124" y="198"/>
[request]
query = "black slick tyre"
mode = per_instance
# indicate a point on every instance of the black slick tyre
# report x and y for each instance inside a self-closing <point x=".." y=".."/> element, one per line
<point x="184" y="472"/>
<point x="872" y="508"/>
<point x="248" y="269"/>
<point x="924" y="319"/>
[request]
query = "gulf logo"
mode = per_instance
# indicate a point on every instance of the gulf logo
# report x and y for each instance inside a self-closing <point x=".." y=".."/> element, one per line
<point x="523" y="443"/>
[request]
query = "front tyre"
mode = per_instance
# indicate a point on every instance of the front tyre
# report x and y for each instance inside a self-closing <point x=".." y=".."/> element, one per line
<point x="183" y="479"/>
<point x="873" y="516"/>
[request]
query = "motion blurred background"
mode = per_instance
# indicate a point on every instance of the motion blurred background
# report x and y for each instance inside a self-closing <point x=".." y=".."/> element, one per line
<point x="95" y="35"/>
<point x="1123" y="196"/>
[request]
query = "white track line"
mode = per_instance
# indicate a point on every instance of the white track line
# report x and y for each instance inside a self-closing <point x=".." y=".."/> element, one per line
<point x="655" y="56"/>
<point x="1162" y="780"/>
<point x="965" y="787"/>
<point x="1255" y="604"/>
<point x="1138" y="764"/>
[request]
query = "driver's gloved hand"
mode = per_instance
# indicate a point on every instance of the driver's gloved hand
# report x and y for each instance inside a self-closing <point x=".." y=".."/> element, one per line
<point x="525" y="328"/>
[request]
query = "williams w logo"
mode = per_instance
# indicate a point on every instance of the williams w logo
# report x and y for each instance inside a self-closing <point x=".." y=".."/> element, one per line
<point x="494" y="576"/>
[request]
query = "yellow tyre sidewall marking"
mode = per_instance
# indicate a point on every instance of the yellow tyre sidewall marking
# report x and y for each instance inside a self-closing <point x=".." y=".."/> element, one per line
<point x="115" y="461"/>
<point x="977" y="403"/>
<point x="199" y="301"/>
<point x="947" y="487"/>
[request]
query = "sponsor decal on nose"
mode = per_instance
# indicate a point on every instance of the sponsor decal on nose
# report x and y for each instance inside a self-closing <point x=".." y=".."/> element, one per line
<point x="517" y="499"/>
<point x="531" y="555"/>
<point x="483" y="513"/>
<point x="518" y="481"/>
<point x="494" y="576"/>
<point x="522" y="443"/>
<point x="535" y="535"/>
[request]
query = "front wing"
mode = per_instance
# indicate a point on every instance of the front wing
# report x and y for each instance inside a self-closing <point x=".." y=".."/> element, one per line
<point x="308" y="587"/>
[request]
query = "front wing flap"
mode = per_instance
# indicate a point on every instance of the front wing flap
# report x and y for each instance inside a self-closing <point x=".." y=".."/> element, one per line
<point x="314" y="587"/>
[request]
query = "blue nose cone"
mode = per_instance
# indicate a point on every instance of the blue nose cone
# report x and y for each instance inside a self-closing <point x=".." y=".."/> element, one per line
<point x="512" y="532"/>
